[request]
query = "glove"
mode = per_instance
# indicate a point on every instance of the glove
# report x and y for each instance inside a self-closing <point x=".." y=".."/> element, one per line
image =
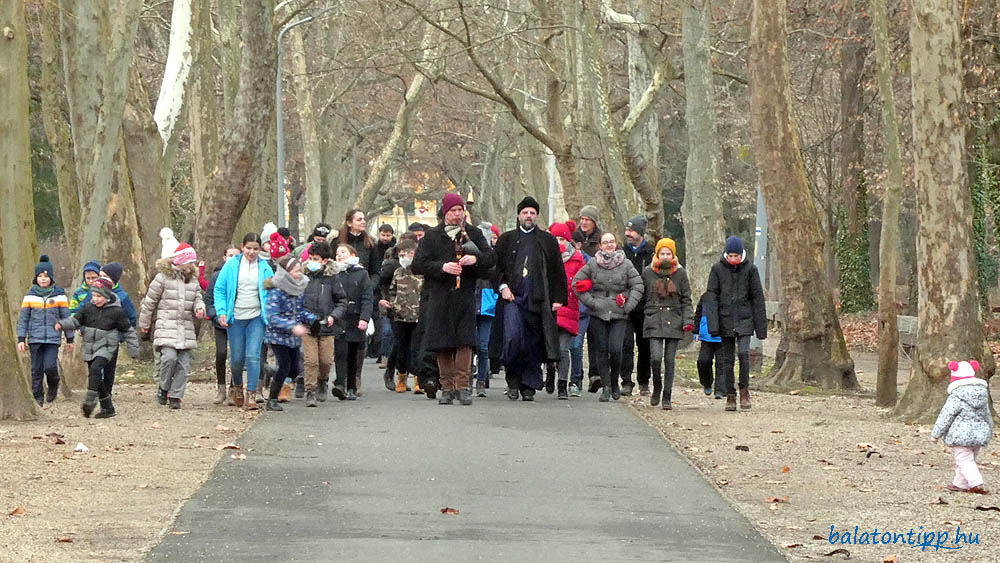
<point x="689" y="327"/>
<point x="583" y="286"/>
<point x="620" y="300"/>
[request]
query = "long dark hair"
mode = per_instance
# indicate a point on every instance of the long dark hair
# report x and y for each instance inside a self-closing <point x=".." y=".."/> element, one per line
<point x="345" y="230"/>
<point x="251" y="237"/>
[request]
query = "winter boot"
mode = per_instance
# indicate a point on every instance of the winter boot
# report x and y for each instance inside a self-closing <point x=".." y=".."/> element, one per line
<point x="654" y="398"/>
<point x="321" y="391"/>
<point x="527" y="394"/>
<point x="416" y="386"/>
<point x="274" y="405"/>
<point x="605" y="388"/>
<point x="89" y="403"/>
<point x="465" y="397"/>
<point x="161" y="396"/>
<point x="387" y="380"/>
<point x="447" y="398"/>
<point x="339" y="392"/>
<point x="480" y="388"/>
<point x="595" y="384"/>
<point x="310" y="398"/>
<point x="401" y="383"/>
<point x="286" y="393"/>
<point x="550" y="378"/>
<point x="563" y="392"/>
<point x="250" y="400"/>
<point x="300" y="387"/>
<point x="235" y="396"/>
<point x="731" y="403"/>
<point x="431" y="388"/>
<point x="616" y="391"/>
<point x="745" y="399"/>
<point x="352" y="395"/>
<point x="666" y="399"/>
<point x="107" y="408"/>
<point x="221" y="396"/>
<point x="643" y="389"/>
<point x="52" y="393"/>
<point x="175" y="404"/>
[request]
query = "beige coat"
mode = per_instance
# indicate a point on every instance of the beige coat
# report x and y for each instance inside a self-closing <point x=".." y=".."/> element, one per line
<point x="173" y="302"/>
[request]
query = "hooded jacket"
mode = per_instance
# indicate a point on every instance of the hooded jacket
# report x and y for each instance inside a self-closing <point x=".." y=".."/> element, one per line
<point x="965" y="419"/>
<point x="103" y="330"/>
<point x="284" y="312"/>
<point x="360" y="291"/>
<point x="40" y="313"/>
<point x="568" y="316"/>
<point x="173" y="301"/>
<point x="224" y="293"/>
<point x="608" y="283"/>
<point x="665" y="316"/>
<point x="739" y="296"/>
<point x="325" y="297"/>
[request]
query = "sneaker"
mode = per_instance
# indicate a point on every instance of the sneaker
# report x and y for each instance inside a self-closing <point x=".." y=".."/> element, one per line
<point x="310" y="398"/>
<point x="321" y="392"/>
<point x="465" y="397"/>
<point x="667" y="406"/>
<point x="447" y="398"/>
<point x="339" y="392"/>
<point x="352" y="395"/>
<point x="512" y="394"/>
<point x="644" y="390"/>
<point x="708" y="393"/>
<point x="107" y="409"/>
<point x="175" y="404"/>
<point x="274" y="405"/>
<point x="979" y="490"/>
<point x="431" y="389"/>
<point x="574" y="390"/>
<point x="625" y="391"/>
<point x="528" y="395"/>
<point x="300" y="387"/>
<point x="480" y="388"/>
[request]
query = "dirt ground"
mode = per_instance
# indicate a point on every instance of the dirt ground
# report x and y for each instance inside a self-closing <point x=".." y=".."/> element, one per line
<point x="113" y="502"/>
<point x="816" y="461"/>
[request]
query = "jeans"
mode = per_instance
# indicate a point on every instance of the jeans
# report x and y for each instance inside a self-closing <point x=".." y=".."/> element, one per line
<point x="608" y="338"/>
<point x="708" y="355"/>
<point x="484" y="325"/>
<point x="347" y="359"/>
<point x="663" y="350"/>
<point x="246" y="337"/>
<point x="44" y="366"/>
<point x="576" y="351"/>
<point x="288" y="359"/>
<point x="221" y="353"/>
<point x="385" y="330"/>
<point x="565" y="345"/>
<point x="739" y="345"/>
<point x="633" y="338"/>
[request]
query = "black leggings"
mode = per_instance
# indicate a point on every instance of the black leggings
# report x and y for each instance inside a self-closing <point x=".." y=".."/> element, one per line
<point x="347" y="360"/>
<point x="288" y="364"/>
<point x="708" y="355"/>
<point x="402" y="333"/>
<point x="609" y="337"/>
<point x="221" y="353"/>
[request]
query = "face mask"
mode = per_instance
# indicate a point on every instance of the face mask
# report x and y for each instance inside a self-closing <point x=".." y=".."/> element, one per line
<point x="352" y="261"/>
<point x="405" y="262"/>
<point x="314" y="266"/>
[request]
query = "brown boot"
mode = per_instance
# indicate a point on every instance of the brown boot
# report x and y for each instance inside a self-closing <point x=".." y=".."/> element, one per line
<point x="401" y="383"/>
<point x="286" y="393"/>
<point x="745" y="399"/>
<point x="249" y="403"/>
<point x="979" y="490"/>
<point x="236" y="395"/>
<point x="416" y="387"/>
<point x="731" y="403"/>
<point x="221" y="396"/>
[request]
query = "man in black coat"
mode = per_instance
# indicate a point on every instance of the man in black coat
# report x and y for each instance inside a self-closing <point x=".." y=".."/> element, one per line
<point x="531" y="282"/>
<point x="451" y="257"/>
<point x="640" y="253"/>
<point x="734" y="284"/>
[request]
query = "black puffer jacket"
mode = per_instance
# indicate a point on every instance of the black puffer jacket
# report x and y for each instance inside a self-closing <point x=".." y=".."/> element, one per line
<point x="641" y="258"/>
<point x="325" y="297"/>
<point x="359" y="288"/>
<point x="740" y="297"/>
<point x="368" y="256"/>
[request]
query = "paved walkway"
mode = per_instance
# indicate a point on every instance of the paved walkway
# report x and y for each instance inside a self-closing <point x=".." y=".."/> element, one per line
<point x="545" y="481"/>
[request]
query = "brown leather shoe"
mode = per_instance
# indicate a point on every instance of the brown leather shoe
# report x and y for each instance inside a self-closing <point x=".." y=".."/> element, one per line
<point x="249" y="403"/>
<point x="979" y="490"/>
<point x="731" y="403"/>
<point x="745" y="399"/>
<point x="286" y="393"/>
<point x="236" y="395"/>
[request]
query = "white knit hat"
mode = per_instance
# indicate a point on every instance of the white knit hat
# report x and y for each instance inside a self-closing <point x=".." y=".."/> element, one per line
<point x="168" y="244"/>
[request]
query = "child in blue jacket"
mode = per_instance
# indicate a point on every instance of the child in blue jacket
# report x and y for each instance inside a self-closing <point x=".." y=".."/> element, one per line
<point x="41" y="309"/>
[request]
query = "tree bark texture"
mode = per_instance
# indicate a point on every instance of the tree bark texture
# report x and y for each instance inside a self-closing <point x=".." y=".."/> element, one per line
<point x="948" y="305"/>
<point x="704" y="229"/>
<point x="204" y="117"/>
<point x="852" y="65"/>
<point x="888" y="331"/>
<point x="242" y="142"/>
<point x="313" y="176"/>
<point x="17" y="220"/>
<point x="813" y="349"/>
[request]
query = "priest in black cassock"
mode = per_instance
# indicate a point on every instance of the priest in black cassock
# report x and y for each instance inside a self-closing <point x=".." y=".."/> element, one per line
<point x="531" y="282"/>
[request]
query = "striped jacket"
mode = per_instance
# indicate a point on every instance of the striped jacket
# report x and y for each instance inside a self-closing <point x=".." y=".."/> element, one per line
<point x="81" y="296"/>
<point x="39" y="314"/>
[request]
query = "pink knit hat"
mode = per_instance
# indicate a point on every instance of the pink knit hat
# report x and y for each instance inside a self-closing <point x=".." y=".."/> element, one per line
<point x="963" y="370"/>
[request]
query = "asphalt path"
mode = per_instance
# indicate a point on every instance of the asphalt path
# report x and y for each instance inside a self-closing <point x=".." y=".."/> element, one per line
<point x="367" y="480"/>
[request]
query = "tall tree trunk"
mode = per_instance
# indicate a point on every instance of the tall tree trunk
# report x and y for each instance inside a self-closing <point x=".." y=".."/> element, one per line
<point x="812" y="348"/>
<point x="852" y="123"/>
<point x="204" y="117"/>
<point x="229" y="190"/>
<point x="888" y="331"/>
<point x="307" y="126"/>
<point x="948" y="307"/>
<point x="702" y="207"/>
<point x="17" y="221"/>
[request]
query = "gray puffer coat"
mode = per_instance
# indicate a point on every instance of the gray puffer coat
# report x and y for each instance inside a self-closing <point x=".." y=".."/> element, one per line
<point x="103" y="329"/>
<point x="965" y="419"/>
<point x="666" y="315"/>
<point x="174" y="301"/>
<point x="621" y="277"/>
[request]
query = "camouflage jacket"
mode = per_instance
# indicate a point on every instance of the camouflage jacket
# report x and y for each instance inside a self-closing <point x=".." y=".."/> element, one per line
<point x="404" y="294"/>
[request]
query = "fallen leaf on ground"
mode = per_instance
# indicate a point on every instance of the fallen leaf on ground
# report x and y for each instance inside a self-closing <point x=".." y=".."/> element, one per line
<point x="940" y="501"/>
<point x="81" y="448"/>
<point x="791" y="545"/>
<point x="997" y="508"/>
<point x="222" y="428"/>
<point x="795" y="392"/>
<point x="890" y="559"/>
<point x="786" y="469"/>
<point x="722" y="483"/>
<point x="864" y="446"/>
<point x="773" y="506"/>
<point x="777" y="499"/>
<point x="776" y="431"/>
<point x="819" y="537"/>
<point x="449" y="510"/>
<point x="743" y="448"/>
<point x="844" y="552"/>
<point x="64" y="540"/>
<point x="17" y="512"/>
<point x="229" y="446"/>
<point x="706" y="423"/>
<point x="951" y="522"/>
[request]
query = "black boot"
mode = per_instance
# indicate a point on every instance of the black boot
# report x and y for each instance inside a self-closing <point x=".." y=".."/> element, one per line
<point x="605" y="389"/>
<point x="339" y="392"/>
<point x="300" y="387"/>
<point x="107" y="408"/>
<point x="654" y="398"/>
<point x="465" y="397"/>
<point x="89" y="403"/>
<point x="595" y="384"/>
<point x="175" y="404"/>
<point x="527" y="394"/>
<point x="616" y="392"/>
<point x="161" y="396"/>
<point x="274" y="405"/>
<point x="563" y="391"/>
<point x="447" y="398"/>
<point x="550" y="378"/>
<point x="431" y="388"/>
<point x="667" y="406"/>
<point x="52" y="392"/>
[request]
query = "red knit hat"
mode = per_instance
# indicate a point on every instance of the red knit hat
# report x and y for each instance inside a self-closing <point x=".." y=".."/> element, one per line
<point x="184" y="255"/>
<point x="495" y="229"/>
<point x="450" y="200"/>
<point x="279" y="246"/>
<point x="561" y="230"/>
<point x="571" y="224"/>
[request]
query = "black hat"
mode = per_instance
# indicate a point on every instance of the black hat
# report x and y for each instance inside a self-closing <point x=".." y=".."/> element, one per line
<point x="44" y="265"/>
<point x="528" y="201"/>
<point x="114" y="271"/>
<point x="638" y="224"/>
